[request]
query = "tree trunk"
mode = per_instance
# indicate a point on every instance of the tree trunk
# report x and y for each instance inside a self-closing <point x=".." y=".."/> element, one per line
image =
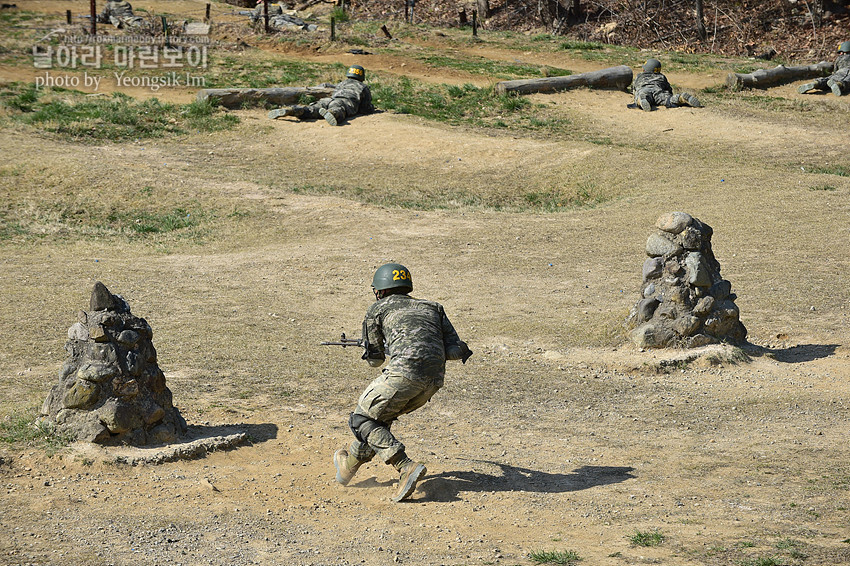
<point x="483" y="8"/>
<point x="243" y="97"/>
<point x="765" y="78"/>
<point x="700" y="21"/>
<point x="618" y="78"/>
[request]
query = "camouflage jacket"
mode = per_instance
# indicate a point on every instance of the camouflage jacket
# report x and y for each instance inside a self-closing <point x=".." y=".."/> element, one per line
<point x="357" y="92"/>
<point x="414" y="333"/>
<point x="118" y="13"/>
<point x="657" y="80"/>
<point x="841" y="68"/>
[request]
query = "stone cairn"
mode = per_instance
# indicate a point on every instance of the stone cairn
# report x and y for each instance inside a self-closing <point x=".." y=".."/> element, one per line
<point x="111" y="390"/>
<point x="684" y="300"/>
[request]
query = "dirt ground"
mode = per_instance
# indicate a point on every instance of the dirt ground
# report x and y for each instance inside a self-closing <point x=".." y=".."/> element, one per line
<point x="557" y="435"/>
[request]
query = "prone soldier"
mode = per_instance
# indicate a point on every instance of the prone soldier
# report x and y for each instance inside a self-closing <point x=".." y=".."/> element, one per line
<point x="839" y="81"/>
<point x="651" y="89"/>
<point x="350" y="98"/>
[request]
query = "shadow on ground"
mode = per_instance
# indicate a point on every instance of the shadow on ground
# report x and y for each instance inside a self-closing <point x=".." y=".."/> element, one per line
<point x="447" y="485"/>
<point x="799" y="353"/>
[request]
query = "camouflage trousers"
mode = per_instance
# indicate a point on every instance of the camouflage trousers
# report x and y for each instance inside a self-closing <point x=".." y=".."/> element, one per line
<point x="384" y="400"/>
<point x="823" y="83"/>
<point x="341" y="108"/>
<point x="657" y="96"/>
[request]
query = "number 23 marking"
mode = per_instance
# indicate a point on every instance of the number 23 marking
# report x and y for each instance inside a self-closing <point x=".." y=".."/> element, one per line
<point x="400" y="275"/>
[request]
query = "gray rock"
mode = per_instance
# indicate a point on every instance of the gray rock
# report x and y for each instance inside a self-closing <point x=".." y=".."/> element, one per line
<point x="649" y="291"/>
<point x="128" y="338"/>
<point x="646" y="308"/>
<point x="101" y="352"/>
<point x="657" y="246"/>
<point x="648" y="335"/>
<point x="652" y="268"/>
<point x="673" y="222"/>
<point x="704" y="306"/>
<point x="78" y="331"/>
<point x="82" y="395"/>
<point x="721" y="290"/>
<point x="686" y="325"/>
<point x="97" y="371"/>
<point x="698" y="340"/>
<point x="101" y="298"/>
<point x="691" y="238"/>
<point x="698" y="275"/>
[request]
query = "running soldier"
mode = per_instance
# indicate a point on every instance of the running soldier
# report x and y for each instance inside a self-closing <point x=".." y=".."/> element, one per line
<point x="418" y="337"/>
<point x="839" y="81"/>
<point x="119" y="13"/>
<point x="350" y="98"/>
<point x="652" y="89"/>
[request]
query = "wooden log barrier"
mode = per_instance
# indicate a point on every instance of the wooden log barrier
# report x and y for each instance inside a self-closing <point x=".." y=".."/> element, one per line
<point x="618" y="78"/>
<point x="765" y="78"/>
<point x="246" y="97"/>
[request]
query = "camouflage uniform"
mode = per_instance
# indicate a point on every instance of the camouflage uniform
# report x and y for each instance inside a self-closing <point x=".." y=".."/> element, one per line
<point x="119" y="13"/>
<point x="654" y="88"/>
<point x="258" y="12"/>
<point x="350" y="98"/>
<point x="416" y="335"/>
<point x="840" y="77"/>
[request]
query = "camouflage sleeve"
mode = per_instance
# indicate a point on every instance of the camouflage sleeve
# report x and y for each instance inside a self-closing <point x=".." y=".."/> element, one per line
<point x="450" y="337"/>
<point x="366" y="102"/>
<point x="103" y="17"/>
<point x="456" y="349"/>
<point x="373" y="336"/>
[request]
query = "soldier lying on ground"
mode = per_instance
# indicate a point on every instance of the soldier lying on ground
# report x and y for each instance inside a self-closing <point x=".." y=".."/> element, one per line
<point x="350" y="98"/>
<point x="652" y="89"/>
<point x="119" y="13"/>
<point x="839" y="81"/>
<point x="278" y="20"/>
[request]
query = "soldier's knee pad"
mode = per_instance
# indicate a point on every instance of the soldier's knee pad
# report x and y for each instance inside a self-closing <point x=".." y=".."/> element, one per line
<point x="362" y="426"/>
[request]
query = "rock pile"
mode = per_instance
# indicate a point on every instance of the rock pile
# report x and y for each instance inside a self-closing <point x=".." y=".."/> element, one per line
<point x="684" y="300"/>
<point x="111" y="389"/>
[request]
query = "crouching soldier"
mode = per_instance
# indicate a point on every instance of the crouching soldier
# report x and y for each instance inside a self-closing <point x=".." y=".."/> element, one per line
<point x="418" y="338"/>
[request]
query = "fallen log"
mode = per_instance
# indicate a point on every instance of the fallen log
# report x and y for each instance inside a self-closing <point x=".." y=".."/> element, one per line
<point x="245" y="97"/>
<point x="766" y="78"/>
<point x="618" y="78"/>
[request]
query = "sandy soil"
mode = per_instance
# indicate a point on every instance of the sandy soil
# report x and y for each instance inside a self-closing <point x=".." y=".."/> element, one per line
<point x="557" y="435"/>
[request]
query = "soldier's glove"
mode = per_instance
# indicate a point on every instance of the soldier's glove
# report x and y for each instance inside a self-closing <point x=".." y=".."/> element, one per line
<point x="460" y="352"/>
<point x="465" y="352"/>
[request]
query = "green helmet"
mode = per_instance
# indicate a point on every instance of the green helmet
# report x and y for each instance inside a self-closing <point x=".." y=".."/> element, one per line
<point x="356" y="72"/>
<point x="652" y="66"/>
<point x="391" y="276"/>
<point x="844" y="47"/>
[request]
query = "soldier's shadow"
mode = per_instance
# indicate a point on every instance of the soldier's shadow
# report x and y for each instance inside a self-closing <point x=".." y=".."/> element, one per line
<point x="447" y="486"/>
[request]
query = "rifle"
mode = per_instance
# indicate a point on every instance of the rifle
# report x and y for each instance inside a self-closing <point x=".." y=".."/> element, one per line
<point x="345" y="342"/>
